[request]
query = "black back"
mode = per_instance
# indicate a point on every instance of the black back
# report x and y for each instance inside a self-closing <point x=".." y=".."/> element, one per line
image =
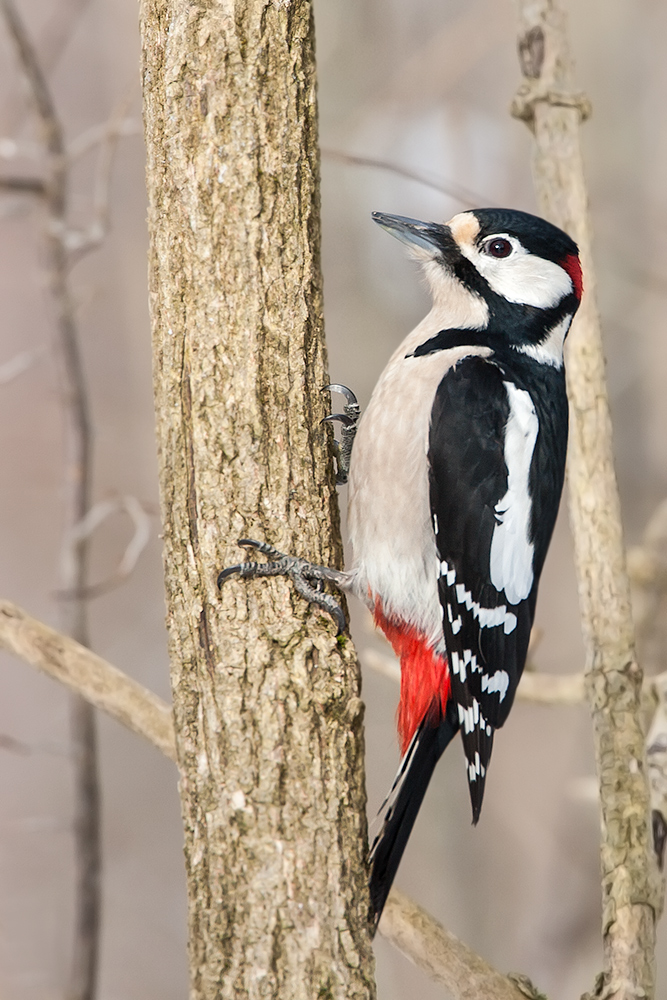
<point x="468" y="477"/>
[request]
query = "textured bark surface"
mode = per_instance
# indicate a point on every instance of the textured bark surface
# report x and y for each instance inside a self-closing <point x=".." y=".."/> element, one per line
<point x="553" y="110"/>
<point x="267" y="709"/>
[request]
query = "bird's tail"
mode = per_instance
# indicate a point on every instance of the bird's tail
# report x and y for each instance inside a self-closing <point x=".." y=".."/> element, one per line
<point x="399" y="810"/>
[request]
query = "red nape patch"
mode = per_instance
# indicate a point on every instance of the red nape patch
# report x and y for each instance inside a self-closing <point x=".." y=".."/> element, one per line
<point x="424" y="675"/>
<point x="573" y="267"/>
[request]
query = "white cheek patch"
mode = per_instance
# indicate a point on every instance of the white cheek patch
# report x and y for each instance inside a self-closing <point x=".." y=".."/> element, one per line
<point x="522" y="277"/>
<point x="511" y="549"/>
<point x="550" y="350"/>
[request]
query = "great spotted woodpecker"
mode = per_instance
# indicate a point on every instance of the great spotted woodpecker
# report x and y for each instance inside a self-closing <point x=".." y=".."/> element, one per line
<point x="455" y="479"/>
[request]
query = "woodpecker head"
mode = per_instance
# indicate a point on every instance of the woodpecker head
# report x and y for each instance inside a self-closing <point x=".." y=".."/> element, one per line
<point x="509" y="273"/>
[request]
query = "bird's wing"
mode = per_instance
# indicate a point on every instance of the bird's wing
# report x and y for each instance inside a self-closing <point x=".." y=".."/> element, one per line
<point x="482" y="437"/>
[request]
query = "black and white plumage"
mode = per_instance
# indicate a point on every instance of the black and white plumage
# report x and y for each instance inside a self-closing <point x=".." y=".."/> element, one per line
<point x="455" y="479"/>
<point x="452" y="512"/>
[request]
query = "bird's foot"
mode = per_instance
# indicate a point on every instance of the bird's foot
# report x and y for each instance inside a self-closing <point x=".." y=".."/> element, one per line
<point x="306" y="577"/>
<point x="349" y="419"/>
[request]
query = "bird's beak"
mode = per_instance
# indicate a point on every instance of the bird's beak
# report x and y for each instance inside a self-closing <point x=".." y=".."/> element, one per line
<point x="426" y="235"/>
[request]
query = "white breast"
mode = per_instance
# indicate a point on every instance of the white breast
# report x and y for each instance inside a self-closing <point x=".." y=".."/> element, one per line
<point x="389" y="516"/>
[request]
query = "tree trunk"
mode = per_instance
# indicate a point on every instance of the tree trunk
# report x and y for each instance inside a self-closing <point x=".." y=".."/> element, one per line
<point x="266" y="701"/>
<point x="631" y="890"/>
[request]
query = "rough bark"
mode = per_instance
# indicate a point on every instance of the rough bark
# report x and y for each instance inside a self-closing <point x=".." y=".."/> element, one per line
<point x="266" y="701"/>
<point x="548" y="103"/>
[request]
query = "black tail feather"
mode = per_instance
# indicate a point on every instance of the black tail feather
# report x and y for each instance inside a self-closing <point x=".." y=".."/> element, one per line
<point x="428" y="745"/>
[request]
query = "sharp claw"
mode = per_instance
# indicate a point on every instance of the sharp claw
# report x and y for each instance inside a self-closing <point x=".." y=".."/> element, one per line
<point x="268" y="550"/>
<point x="339" y="616"/>
<point x="350" y="398"/>
<point x="348" y="418"/>
<point x="246" y="543"/>
<point x="225" y="573"/>
<point x="301" y="573"/>
<point x="344" y="418"/>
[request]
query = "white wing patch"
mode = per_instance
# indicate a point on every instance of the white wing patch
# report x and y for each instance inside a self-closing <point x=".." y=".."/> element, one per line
<point x="498" y="682"/>
<point x="471" y="718"/>
<point x="511" y="548"/>
<point x="486" y="617"/>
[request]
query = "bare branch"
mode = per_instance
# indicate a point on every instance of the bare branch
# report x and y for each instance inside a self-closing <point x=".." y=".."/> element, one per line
<point x="442" y="956"/>
<point x="410" y="928"/>
<point x="82" y="242"/>
<point x="548" y="102"/>
<point x="95" y="517"/>
<point x="647" y="565"/>
<point x="38" y="87"/>
<point x="551" y="689"/>
<point x="53" y="36"/>
<point x="383" y="663"/>
<point x="19" y="364"/>
<point x="23" y="185"/>
<point x="14" y="746"/>
<point x="12" y="149"/>
<point x="77" y="480"/>
<point x="101" y="133"/>
<point x="88" y="675"/>
<point x="541" y="689"/>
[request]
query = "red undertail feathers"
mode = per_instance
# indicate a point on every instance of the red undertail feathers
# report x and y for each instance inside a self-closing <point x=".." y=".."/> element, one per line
<point x="425" y="682"/>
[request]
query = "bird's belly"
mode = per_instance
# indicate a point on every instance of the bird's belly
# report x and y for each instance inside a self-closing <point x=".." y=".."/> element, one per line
<point x="389" y="517"/>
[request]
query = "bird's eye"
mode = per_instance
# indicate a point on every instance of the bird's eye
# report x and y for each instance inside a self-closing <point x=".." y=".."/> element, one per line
<point x="498" y="247"/>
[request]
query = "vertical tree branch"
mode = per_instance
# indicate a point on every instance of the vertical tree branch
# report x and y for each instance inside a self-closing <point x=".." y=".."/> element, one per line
<point x="548" y="103"/>
<point x="266" y="701"/>
<point x="77" y="478"/>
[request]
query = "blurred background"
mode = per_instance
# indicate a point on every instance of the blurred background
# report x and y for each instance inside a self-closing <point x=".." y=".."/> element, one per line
<point x="424" y="87"/>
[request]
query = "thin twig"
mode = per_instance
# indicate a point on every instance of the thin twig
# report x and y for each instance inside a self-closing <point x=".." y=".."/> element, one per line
<point x="460" y="194"/>
<point x="541" y="689"/>
<point x="549" y="103"/>
<point x="534" y="688"/>
<point x="23" y="185"/>
<point x="53" y="35"/>
<point x="77" y="476"/>
<point x="12" y="149"/>
<point x="95" y="517"/>
<point x="101" y="133"/>
<point x="80" y="242"/>
<point x="19" y="364"/>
